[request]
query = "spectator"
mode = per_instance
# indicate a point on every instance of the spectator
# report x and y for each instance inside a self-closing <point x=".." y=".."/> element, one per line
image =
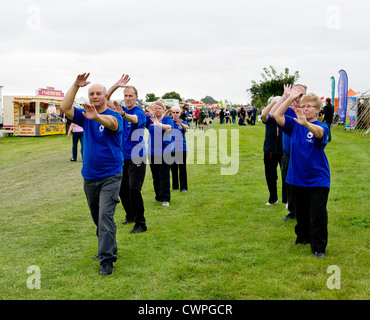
<point x="328" y="115"/>
<point x="77" y="135"/>
<point x="222" y="115"/>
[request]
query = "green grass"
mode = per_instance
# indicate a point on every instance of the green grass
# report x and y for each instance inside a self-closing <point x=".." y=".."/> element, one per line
<point x="218" y="241"/>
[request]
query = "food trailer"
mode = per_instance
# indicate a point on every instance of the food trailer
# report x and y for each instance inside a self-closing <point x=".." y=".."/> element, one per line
<point x="35" y="116"/>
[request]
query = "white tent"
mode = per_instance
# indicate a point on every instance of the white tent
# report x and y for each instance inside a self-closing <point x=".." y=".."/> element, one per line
<point x="363" y="113"/>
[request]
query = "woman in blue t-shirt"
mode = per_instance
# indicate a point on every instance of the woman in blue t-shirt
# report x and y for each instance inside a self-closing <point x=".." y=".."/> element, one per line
<point x="308" y="171"/>
<point x="160" y="147"/>
<point x="178" y="168"/>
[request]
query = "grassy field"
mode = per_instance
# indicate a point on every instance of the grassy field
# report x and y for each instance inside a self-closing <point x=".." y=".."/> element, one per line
<point x="218" y="241"/>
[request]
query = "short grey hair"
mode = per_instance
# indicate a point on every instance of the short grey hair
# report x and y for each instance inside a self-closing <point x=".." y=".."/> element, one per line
<point x="133" y="88"/>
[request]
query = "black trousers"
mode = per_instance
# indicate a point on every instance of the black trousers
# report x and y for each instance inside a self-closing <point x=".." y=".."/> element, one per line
<point x="287" y="194"/>
<point x="160" y="168"/>
<point x="133" y="175"/>
<point x="272" y="160"/>
<point x="178" y="168"/>
<point x="312" y="216"/>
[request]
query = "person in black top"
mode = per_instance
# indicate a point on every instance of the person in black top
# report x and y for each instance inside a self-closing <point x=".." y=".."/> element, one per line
<point x="328" y="115"/>
<point x="273" y="151"/>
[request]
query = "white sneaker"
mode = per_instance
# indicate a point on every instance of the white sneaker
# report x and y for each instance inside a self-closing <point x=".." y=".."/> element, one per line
<point x="165" y="204"/>
<point x="270" y="204"/>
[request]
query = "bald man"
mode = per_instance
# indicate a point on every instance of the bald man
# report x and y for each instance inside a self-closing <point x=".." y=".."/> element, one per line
<point x="102" y="163"/>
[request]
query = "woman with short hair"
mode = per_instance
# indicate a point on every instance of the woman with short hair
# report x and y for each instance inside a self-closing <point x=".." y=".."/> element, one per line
<point x="160" y="147"/>
<point x="308" y="170"/>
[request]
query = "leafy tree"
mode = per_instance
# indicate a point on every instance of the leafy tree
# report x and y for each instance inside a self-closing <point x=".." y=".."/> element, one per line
<point x="172" y="95"/>
<point x="271" y="85"/>
<point x="150" y="97"/>
<point x="209" y="100"/>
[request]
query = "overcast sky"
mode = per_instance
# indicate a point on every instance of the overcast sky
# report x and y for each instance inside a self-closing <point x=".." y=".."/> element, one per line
<point x="194" y="47"/>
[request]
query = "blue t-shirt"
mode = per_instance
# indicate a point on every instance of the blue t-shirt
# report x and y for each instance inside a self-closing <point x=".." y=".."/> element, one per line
<point x="159" y="141"/>
<point x="133" y="142"/>
<point x="103" y="155"/>
<point x="308" y="166"/>
<point x="178" y="137"/>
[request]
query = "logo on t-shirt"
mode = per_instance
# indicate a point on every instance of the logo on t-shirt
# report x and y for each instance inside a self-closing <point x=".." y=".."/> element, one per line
<point x="309" y="136"/>
<point x="101" y="128"/>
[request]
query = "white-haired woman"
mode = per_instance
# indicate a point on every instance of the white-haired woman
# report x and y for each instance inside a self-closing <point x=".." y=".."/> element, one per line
<point x="178" y="168"/>
<point x="308" y="170"/>
<point x="160" y="147"/>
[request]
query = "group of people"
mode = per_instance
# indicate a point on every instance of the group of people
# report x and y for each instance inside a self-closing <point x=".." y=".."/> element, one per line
<point x="295" y="139"/>
<point x="226" y="115"/>
<point x="115" y="153"/>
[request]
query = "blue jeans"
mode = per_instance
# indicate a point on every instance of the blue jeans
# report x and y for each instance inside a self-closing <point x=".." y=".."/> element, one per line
<point x="77" y="136"/>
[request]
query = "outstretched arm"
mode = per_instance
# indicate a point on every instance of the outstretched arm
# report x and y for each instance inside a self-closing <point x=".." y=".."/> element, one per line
<point x="121" y="83"/>
<point x="129" y="117"/>
<point x="279" y="114"/>
<point x="317" y="131"/>
<point x="267" y="110"/>
<point x="156" y="123"/>
<point x="107" y="121"/>
<point x="287" y="91"/>
<point x="67" y="103"/>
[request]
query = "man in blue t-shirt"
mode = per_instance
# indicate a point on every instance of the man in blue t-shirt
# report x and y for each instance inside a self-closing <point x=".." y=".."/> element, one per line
<point x="134" y="152"/>
<point x="102" y="163"/>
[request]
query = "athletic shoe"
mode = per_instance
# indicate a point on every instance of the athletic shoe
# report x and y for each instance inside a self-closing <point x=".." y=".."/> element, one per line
<point x="106" y="268"/>
<point x="270" y="204"/>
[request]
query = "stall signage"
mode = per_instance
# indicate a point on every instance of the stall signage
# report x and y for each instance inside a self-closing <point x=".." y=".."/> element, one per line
<point x="49" y="129"/>
<point x="27" y="130"/>
<point x="50" y="92"/>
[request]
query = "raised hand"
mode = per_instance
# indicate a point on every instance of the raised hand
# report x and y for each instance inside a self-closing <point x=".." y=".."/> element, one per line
<point x="296" y="92"/>
<point x="287" y="90"/>
<point x="81" y="80"/>
<point x="301" y="116"/>
<point x="123" y="81"/>
<point x="117" y="107"/>
<point x="153" y="118"/>
<point x="90" y="112"/>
